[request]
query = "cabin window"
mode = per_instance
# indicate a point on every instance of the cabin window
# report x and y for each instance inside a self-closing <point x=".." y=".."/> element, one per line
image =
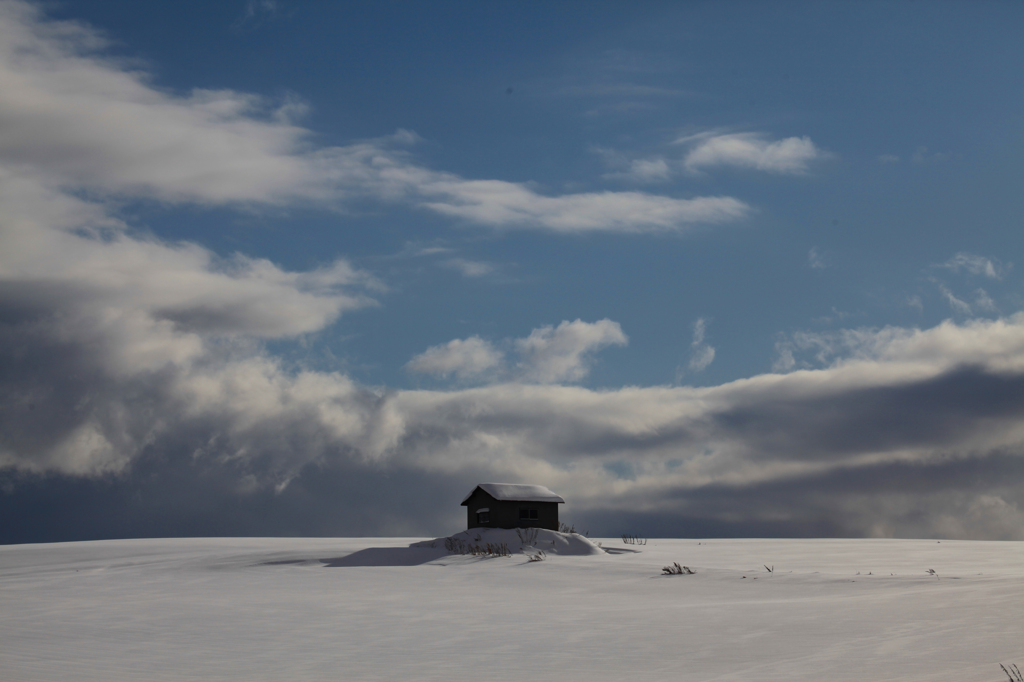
<point x="527" y="514"/>
<point x="483" y="517"/>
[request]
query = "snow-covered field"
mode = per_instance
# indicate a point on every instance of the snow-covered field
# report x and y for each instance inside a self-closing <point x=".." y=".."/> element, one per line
<point x="323" y="609"/>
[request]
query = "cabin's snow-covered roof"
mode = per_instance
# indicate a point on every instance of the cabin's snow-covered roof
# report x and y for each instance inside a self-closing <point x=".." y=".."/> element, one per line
<point x="516" y="492"/>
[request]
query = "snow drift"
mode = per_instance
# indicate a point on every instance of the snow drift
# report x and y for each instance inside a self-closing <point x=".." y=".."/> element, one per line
<point x="528" y="541"/>
<point x="537" y="543"/>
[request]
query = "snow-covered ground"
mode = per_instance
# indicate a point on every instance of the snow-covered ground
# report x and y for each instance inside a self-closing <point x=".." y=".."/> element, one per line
<point x="377" y="609"/>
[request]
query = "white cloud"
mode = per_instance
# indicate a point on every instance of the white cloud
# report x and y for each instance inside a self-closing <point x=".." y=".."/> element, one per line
<point x="785" y="360"/>
<point x="430" y="250"/>
<point x="82" y="121"/>
<point x="463" y="358"/>
<point x="548" y="355"/>
<point x="112" y="339"/>
<point x="702" y="358"/>
<point x="959" y="306"/>
<point x="816" y="259"/>
<point x="117" y="323"/>
<point x="974" y="264"/>
<point x="746" y="150"/>
<point x="643" y="171"/>
<point x="995" y="344"/>
<point x="255" y="10"/>
<point x="111" y="278"/>
<point x="649" y="170"/>
<point x="469" y="268"/>
<point x="506" y="204"/>
<point x="702" y="354"/>
<point x="699" y="330"/>
<point x="982" y="301"/>
<point x="90" y="122"/>
<point x="446" y="258"/>
<point x="751" y="150"/>
<point x="921" y="155"/>
<point x="888" y="159"/>
<point x="553" y="354"/>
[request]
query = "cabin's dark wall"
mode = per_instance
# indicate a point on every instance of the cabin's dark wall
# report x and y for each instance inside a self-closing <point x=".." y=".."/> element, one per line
<point x="505" y="514"/>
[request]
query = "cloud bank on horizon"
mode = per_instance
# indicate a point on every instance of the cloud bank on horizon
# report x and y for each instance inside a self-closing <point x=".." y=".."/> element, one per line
<point x="137" y="375"/>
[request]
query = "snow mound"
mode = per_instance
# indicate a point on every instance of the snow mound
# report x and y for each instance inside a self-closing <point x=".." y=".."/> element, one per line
<point x="517" y="541"/>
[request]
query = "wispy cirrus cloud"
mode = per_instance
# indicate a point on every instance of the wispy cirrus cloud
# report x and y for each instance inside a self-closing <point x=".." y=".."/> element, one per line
<point x="922" y="155"/>
<point x="984" y="302"/>
<point x="957" y="305"/>
<point x="614" y="85"/>
<point x="975" y="265"/>
<point x="255" y="13"/>
<point x="702" y="354"/>
<point x="816" y="259"/>
<point x="445" y="257"/>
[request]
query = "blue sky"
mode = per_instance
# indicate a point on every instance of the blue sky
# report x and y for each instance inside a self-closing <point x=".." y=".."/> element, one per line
<point x="672" y="261"/>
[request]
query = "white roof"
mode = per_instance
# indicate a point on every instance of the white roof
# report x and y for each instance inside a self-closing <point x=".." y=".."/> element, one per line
<point x="516" y="492"/>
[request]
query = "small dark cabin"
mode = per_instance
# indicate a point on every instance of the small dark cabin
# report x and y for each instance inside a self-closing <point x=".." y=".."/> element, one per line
<point x="512" y="505"/>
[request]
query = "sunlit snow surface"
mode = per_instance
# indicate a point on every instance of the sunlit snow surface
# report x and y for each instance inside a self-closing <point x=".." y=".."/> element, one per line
<point x="314" y="609"/>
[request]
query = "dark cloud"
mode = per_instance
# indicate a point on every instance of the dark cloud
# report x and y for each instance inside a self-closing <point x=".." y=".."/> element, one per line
<point x="934" y="412"/>
<point x="172" y="497"/>
<point x="954" y="497"/>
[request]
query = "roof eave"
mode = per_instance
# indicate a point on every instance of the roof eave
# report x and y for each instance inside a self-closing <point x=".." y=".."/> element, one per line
<point x="557" y="499"/>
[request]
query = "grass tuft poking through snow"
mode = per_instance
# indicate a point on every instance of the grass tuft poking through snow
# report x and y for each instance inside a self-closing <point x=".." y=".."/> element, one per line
<point x="571" y="529"/>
